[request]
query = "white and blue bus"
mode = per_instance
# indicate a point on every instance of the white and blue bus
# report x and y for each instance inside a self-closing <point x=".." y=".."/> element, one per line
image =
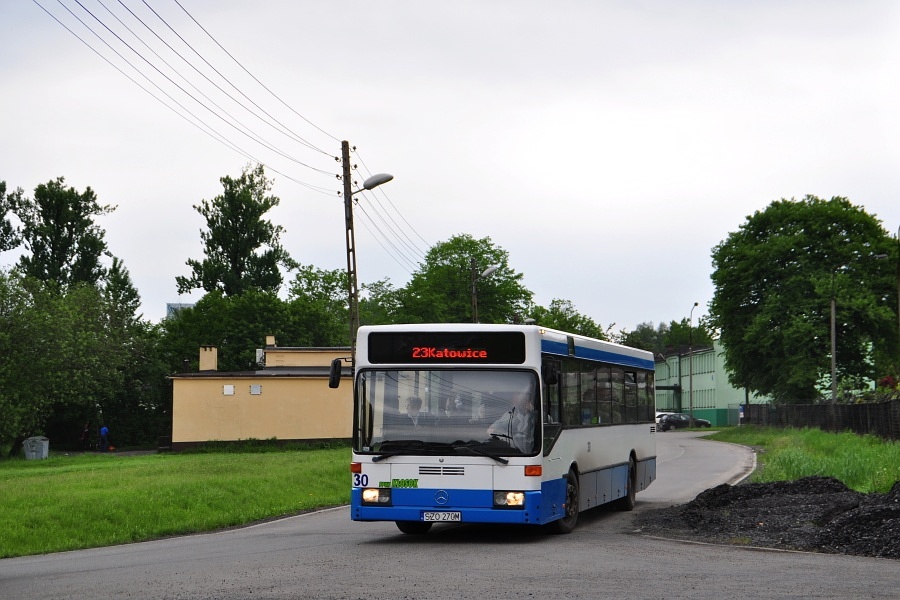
<point x="514" y="424"/>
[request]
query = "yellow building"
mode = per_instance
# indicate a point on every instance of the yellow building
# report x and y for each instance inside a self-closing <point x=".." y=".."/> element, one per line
<point x="287" y="399"/>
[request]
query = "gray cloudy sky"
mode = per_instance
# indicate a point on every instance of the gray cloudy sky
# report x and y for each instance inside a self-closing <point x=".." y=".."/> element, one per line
<point x="607" y="146"/>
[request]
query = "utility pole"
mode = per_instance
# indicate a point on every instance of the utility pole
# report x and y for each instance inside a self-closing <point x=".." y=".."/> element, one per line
<point x="474" y="292"/>
<point x="833" y="345"/>
<point x="691" y="363"/>
<point x="352" y="281"/>
<point x="352" y="287"/>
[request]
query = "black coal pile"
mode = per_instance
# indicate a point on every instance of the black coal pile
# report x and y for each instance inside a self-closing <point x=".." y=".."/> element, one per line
<point x="818" y="514"/>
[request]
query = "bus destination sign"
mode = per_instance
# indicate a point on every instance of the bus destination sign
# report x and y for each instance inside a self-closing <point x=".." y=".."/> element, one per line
<point x="493" y="347"/>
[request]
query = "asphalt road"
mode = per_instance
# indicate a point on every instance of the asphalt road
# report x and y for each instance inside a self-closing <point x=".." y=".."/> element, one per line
<point x="325" y="555"/>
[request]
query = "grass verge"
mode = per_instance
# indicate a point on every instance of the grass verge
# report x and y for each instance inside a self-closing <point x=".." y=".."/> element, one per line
<point x="91" y="500"/>
<point x="864" y="463"/>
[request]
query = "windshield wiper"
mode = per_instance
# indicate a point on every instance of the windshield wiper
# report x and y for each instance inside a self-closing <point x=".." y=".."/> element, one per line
<point x="398" y="447"/>
<point x="469" y="446"/>
<point x="381" y="457"/>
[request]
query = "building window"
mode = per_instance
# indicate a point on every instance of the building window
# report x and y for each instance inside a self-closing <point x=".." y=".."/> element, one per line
<point x="255" y="389"/>
<point x="228" y="390"/>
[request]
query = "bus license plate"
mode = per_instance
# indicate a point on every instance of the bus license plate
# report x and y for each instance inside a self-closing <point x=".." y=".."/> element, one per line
<point x="442" y="516"/>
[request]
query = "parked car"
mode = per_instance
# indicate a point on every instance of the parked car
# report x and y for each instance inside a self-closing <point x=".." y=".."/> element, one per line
<point x="680" y="421"/>
<point x="660" y="415"/>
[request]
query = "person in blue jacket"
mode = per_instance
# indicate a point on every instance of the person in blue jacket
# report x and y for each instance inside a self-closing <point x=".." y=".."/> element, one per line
<point x="104" y="438"/>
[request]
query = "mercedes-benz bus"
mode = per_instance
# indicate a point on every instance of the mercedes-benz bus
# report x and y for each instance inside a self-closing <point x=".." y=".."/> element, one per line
<point x="515" y="424"/>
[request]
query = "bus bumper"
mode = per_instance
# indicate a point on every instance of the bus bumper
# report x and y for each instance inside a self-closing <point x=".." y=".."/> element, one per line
<point x="473" y="506"/>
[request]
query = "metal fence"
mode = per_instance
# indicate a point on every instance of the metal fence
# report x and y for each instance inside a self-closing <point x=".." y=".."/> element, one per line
<point x="881" y="418"/>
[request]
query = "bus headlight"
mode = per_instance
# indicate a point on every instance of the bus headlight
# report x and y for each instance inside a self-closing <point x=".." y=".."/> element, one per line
<point x="379" y="496"/>
<point x="509" y="499"/>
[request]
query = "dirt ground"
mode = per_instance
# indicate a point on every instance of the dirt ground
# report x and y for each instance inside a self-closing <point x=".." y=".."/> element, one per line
<point x="818" y="514"/>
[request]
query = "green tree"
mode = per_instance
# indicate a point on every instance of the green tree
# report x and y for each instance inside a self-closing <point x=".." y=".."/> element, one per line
<point x="236" y="325"/>
<point x="675" y="336"/>
<point x="62" y="340"/>
<point x="562" y="315"/>
<point x="58" y="229"/>
<point x="9" y="236"/>
<point x="680" y="334"/>
<point x="774" y="280"/>
<point x="137" y="409"/>
<point x="120" y="297"/>
<point x="318" y="306"/>
<point x="440" y="291"/>
<point x="379" y="303"/>
<point x="644" y="336"/>
<point x="14" y="347"/>
<point x="243" y="250"/>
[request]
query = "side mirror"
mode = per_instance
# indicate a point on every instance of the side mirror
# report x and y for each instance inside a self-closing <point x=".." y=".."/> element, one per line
<point x="334" y="376"/>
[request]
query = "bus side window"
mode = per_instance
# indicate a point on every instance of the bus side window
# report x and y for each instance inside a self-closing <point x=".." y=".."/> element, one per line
<point x="617" y="394"/>
<point x="551" y="371"/>
<point x="643" y="391"/>
<point x="604" y="396"/>
<point x="589" y="397"/>
<point x="571" y="396"/>
<point x="631" y="398"/>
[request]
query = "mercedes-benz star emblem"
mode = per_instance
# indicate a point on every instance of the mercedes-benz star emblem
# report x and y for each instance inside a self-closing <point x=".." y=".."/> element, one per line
<point x="441" y="497"/>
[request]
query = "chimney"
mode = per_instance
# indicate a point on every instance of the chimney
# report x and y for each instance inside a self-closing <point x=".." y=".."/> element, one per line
<point x="270" y="340"/>
<point x="209" y="358"/>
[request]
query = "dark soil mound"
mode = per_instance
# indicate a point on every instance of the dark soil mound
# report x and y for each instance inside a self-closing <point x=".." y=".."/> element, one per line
<point x="814" y="513"/>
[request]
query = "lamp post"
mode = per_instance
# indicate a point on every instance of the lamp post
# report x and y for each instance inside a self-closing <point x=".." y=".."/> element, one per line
<point x="898" y="287"/>
<point x="833" y="343"/>
<point x="475" y="278"/>
<point x="352" y="286"/>
<point x="691" y="363"/>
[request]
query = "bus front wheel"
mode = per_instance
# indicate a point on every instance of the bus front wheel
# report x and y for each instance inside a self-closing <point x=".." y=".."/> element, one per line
<point x="570" y="517"/>
<point x="413" y="527"/>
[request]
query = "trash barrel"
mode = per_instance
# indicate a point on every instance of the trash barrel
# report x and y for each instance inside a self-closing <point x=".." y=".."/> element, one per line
<point x="36" y="448"/>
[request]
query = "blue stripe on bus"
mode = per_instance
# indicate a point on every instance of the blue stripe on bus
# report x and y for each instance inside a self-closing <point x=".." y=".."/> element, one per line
<point x="475" y="506"/>
<point x="562" y="349"/>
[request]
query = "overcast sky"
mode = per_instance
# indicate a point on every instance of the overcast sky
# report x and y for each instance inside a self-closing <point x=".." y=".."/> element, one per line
<point x="607" y="146"/>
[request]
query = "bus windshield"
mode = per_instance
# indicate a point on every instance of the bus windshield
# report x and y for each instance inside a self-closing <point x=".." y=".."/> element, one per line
<point x="458" y="412"/>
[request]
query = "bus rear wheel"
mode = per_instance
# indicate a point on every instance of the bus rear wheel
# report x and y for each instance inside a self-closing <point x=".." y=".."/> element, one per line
<point x="626" y="502"/>
<point x="414" y="527"/>
<point x="570" y="518"/>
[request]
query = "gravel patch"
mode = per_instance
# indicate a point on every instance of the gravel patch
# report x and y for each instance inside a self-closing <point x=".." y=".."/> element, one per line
<point x="818" y="514"/>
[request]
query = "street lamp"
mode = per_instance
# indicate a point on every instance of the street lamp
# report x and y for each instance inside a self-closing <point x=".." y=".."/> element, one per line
<point x="691" y="363"/>
<point x="834" y="338"/>
<point x="352" y="287"/>
<point x="475" y="278"/>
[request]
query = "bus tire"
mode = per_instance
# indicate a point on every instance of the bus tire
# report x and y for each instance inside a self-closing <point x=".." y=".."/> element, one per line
<point x="570" y="518"/>
<point x="626" y="502"/>
<point x="414" y="527"/>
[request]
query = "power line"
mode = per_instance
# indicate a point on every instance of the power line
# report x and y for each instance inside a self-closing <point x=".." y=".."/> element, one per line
<point x="198" y="122"/>
<point x="391" y="234"/>
<point x="400" y="247"/>
<point x="384" y="193"/>
<point x="285" y="129"/>
<point x="251" y="74"/>
<point x="251" y="135"/>
<point x="401" y="259"/>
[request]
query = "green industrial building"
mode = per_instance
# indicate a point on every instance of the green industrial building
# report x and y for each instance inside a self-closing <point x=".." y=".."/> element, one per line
<point x="707" y="392"/>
